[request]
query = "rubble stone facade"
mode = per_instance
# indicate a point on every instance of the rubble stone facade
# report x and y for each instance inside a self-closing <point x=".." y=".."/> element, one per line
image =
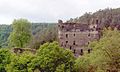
<point x="76" y="36"/>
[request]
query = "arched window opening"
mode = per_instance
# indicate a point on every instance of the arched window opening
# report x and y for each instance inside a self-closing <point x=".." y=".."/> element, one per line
<point x="81" y="52"/>
<point x="73" y="42"/>
<point x="96" y="21"/>
<point x="74" y="51"/>
<point x="89" y="50"/>
<point x="66" y="35"/>
<point x="62" y="26"/>
<point x="74" y="34"/>
<point x="70" y="47"/>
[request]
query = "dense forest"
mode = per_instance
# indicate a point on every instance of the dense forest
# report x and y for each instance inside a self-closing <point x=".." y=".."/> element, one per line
<point x="49" y="56"/>
<point x="4" y="34"/>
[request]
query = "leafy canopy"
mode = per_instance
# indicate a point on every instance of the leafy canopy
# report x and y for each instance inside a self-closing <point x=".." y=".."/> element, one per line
<point x="50" y="58"/>
<point x="21" y="34"/>
<point x="4" y="59"/>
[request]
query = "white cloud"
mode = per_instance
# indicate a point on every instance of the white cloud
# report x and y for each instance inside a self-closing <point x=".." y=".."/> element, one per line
<point x="50" y="10"/>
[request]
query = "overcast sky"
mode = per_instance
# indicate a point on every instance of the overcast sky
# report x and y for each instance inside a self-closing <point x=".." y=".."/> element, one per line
<point x="50" y="10"/>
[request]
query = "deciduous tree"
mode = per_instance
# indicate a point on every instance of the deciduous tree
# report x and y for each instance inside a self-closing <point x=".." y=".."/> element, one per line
<point x="21" y="34"/>
<point x="50" y="58"/>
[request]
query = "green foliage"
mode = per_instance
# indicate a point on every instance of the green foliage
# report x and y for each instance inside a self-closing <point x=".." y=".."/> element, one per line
<point x="82" y="64"/>
<point x="21" y="33"/>
<point x="4" y="59"/>
<point x="106" y="52"/>
<point x="4" y="34"/>
<point x="21" y="63"/>
<point x="50" y="57"/>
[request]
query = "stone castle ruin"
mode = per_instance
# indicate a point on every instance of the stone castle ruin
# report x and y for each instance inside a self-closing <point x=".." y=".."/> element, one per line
<point x="77" y="36"/>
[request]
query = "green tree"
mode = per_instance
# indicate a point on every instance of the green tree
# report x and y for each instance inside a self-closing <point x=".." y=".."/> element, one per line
<point x="50" y="58"/>
<point x="20" y="63"/>
<point x="106" y="52"/>
<point x="82" y="64"/>
<point x="21" y="34"/>
<point x="4" y="59"/>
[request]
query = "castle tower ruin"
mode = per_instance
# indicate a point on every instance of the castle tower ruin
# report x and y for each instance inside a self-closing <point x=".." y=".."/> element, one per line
<point x="77" y="36"/>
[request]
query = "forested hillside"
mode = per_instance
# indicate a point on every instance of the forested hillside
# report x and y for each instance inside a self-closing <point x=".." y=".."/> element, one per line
<point x="38" y="29"/>
<point x="107" y="17"/>
<point x="4" y="34"/>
